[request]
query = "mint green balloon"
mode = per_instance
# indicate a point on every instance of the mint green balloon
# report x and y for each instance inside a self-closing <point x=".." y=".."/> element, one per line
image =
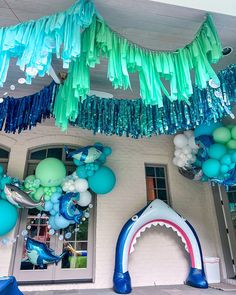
<point x="38" y="194"/>
<point x="211" y="168"/>
<point x="231" y="144"/>
<point x="233" y="132"/>
<point x="222" y="135"/>
<point x="50" y="172"/>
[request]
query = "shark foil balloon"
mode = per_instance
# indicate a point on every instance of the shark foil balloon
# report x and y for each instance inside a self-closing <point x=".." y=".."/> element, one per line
<point x="20" y="198"/>
<point x="87" y="154"/>
<point x="68" y="207"/>
<point x="39" y="254"/>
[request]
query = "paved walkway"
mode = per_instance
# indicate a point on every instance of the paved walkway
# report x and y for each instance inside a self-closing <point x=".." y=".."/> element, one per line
<point x="158" y="290"/>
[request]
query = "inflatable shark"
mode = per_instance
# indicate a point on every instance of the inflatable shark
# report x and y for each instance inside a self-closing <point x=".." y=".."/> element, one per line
<point x="39" y="254"/>
<point x="19" y="198"/>
<point x="157" y="212"/>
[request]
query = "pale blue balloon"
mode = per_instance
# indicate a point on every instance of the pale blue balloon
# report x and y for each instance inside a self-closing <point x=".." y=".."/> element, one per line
<point x="53" y="212"/>
<point x="55" y="198"/>
<point x="48" y="206"/>
<point x="51" y="221"/>
<point x="56" y="207"/>
<point x="61" y="222"/>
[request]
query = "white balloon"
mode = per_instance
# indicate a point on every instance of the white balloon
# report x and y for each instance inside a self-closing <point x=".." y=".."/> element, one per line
<point x="182" y="156"/>
<point x="192" y="143"/>
<point x="85" y="199"/>
<point x="193" y="158"/>
<point x="178" y="152"/>
<point x="75" y="176"/>
<point x="188" y="133"/>
<point x="180" y="140"/>
<point x="81" y="185"/>
<point x="187" y="150"/>
<point x="71" y="188"/>
<point x="180" y="163"/>
<point x="175" y="161"/>
<point x="189" y="156"/>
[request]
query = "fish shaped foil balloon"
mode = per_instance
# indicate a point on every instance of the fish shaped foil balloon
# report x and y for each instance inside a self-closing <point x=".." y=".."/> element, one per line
<point x="68" y="208"/>
<point x="39" y="254"/>
<point x="87" y="154"/>
<point x="19" y="198"/>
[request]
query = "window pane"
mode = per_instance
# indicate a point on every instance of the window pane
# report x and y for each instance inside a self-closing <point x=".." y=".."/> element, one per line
<point x="55" y="153"/>
<point x="160" y="172"/>
<point x="38" y="155"/>
<point x="161" y="183"/>
<point x="150" y="171"/>
<point x="4" y="154"/>
<point x="162" y="195"/>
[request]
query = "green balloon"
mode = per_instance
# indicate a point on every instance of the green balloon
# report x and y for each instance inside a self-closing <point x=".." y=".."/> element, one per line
<point x="50" y="172"/>
<point x="8" y="217"/>
<point x="231" y="144"/>
<point x="211" y="168"/>
<point x="233" y="132"/>
<point x="38" y="194"/>
<point x="30" y="178"/>
<point x="222" y="135"/>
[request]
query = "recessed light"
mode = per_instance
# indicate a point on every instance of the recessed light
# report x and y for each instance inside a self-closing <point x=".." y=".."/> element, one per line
<point x="21" y="81"/>
<point x="227" y="50"/>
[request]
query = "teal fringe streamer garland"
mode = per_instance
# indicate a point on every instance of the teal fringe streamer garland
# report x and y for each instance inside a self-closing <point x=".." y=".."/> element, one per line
<point x="17" y="114"/>
<point x="131" y="117"/>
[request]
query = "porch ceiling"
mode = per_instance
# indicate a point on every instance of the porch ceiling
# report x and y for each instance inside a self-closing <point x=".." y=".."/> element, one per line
<point x="151" y="24"/>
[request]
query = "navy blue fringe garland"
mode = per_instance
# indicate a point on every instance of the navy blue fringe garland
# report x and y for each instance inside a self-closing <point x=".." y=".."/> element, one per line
<point x="17" y="114"/>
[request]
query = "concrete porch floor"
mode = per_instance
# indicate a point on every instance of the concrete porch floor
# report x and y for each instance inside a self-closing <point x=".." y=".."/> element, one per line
<point x="157" y="290"/>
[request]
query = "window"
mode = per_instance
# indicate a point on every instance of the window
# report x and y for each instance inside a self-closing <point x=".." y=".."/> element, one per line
<point x="156" y="182"/>
<point x="73" y="266"/>
<point x="4" y="157"/>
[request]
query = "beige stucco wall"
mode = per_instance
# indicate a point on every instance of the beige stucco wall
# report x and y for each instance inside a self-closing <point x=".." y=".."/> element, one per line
<point x="159" y="256"/>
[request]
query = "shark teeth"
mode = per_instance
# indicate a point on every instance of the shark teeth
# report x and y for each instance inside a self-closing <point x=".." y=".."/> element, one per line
<point x="155" y="223"/>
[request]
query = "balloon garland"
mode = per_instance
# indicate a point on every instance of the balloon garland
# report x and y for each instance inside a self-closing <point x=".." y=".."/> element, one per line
<point x="64" y="199"/>
<point x="213" y="158"/>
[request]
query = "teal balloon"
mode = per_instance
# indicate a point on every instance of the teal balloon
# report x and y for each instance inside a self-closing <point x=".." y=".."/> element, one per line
<point x="3" y="195"/>
<point x="211" y="168"/>
<point x="233" y="157"/>
<point x="103" y="181"/>
<point x="77" y="162"/>
<point x="1" y="171"/>
<point x="8" y="217"/>
<point x="51" y="172"/>
<point x="107" y="151"/>
<point x="5" y="180"/>
<point x="226" y="159"/>
<point x="224" y="169"/>
<point x="222" y="135"/>
<point x="81" y="172"/>
<point x="216" y="151"/>
<point x="205" y="129"/>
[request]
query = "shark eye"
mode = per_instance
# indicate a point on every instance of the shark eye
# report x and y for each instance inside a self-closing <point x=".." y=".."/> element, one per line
<point x="135" y="217"/>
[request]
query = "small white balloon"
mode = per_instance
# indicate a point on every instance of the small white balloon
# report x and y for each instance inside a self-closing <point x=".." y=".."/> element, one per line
<point x="51" y="232"/>
<point x="85" y="199"/>
<point x="61" y="237"/>
<point x="180" y="163"/>
<point x="180" y="140"/>
<point x="90" y="205"/>
<point x="193" y="158"/>
<point x="12" y="87"/>
<point x="189" y="156"/>
<point x="24" y="233"/>
<point x="175" y="161"/>
<point x="178" y="152"/>
<point x="68" y="236"/>
<point x="192" y="143"/>
<point x="187" y="150"/>
<point x="81" y="185"/>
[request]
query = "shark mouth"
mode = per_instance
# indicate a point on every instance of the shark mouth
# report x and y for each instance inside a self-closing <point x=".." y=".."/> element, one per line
<point x="186" y="241"/>
<point x="157" y="213"/>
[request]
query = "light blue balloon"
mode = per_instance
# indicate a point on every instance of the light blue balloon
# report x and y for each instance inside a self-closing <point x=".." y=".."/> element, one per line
<point x="211" y="168"/>
<point x="53" y="212"/>
<point x="8" y="217"/>
<point x="55" y="198"/>
<point x="51" y="221"/>
<point x="81" y="172"/>
<point x="61" y="222"/>
<point x="103" y="181"/>
<point x="77" y="162"/>
<point x="224" y="169"/>
<point x="59" y="190"/>
<point x="56" y="207"/>
<point x="226" y="160"/>
<point x="205" y="129"/>
<point x="217" y="151"/>
<point x="48" y="206"/>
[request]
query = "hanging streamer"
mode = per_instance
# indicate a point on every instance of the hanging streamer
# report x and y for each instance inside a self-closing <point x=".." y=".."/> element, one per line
<point x="125" y="57"/>
<point x="34" y="42"/>
<point x="23" y="113"/>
